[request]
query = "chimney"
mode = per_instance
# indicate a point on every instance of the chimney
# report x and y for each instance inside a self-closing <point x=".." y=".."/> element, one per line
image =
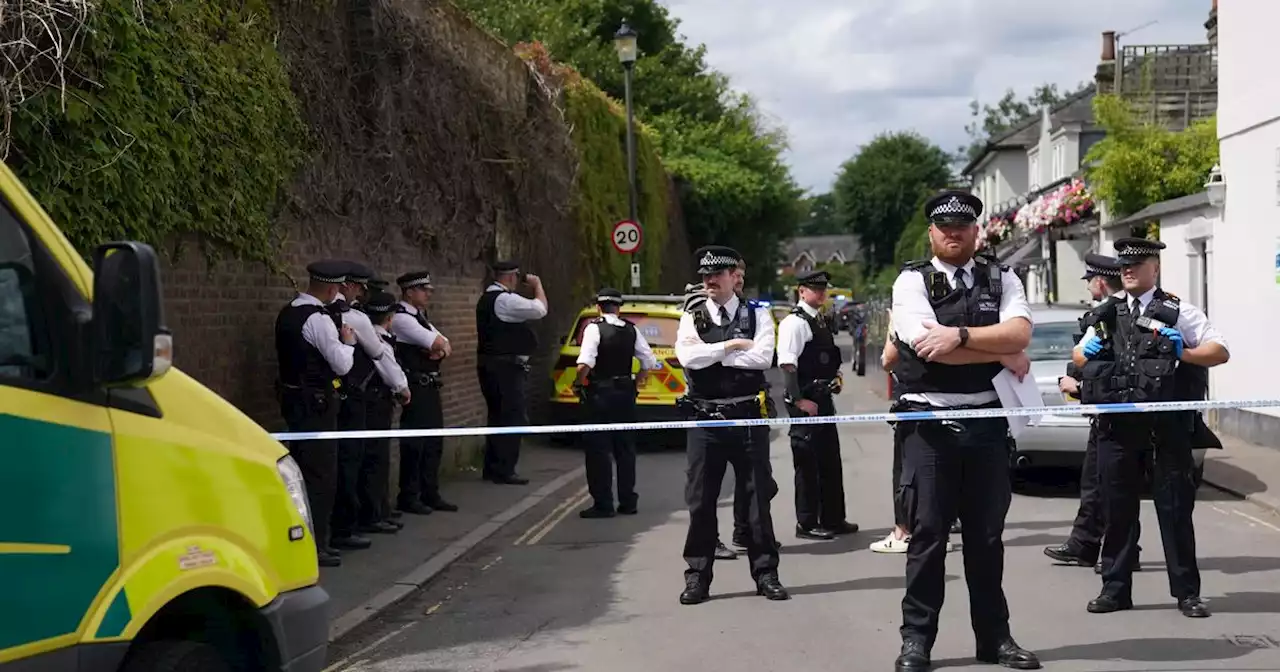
<point x="1105" y="77"/>
<point x="1211" y="26"/>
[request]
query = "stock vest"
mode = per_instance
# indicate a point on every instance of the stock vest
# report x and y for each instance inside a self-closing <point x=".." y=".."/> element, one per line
<point x="413" y="358"/>
<point x="617" y="348"/>
<point x="498" y="338"/>
<point x="978" y="306"/>
<point x="1145" y="365"/>
<point x="301" y="364"/>
<point x="361" y="363"/>
<point x="820" y="359"/>
<point x="719" y="381"/>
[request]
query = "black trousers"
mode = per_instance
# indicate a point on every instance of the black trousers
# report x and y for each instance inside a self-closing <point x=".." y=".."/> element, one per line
<point x="346" y="501"/>
<point x="1086" y="532"/>
<point x="502" y="384"/>
<point x="314" y="411"/>
<point x="604" y="450"/>
<point x="374" y="483"/>
<point x="948" y="469"/>
<point x="1123" y="440"/>
<point x="742" y="505"/>
<point x="420" y="457"/>
<point x="815" y="453"/>
<point x="899" y="500"/>
<point x="710" y="452"/>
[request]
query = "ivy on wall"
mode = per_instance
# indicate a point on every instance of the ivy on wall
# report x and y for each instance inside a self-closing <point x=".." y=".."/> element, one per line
<point x="181" y="121"/>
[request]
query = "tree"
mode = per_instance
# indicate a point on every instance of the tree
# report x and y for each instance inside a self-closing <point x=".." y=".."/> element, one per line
<point x="1138" y="164"/>
<point x="989" y="122"/>
<point x="819" y="216"/>
<point x="878" y="190"/>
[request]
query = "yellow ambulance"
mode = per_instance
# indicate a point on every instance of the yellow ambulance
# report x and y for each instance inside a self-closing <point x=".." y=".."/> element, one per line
<point x="146" y="524"/>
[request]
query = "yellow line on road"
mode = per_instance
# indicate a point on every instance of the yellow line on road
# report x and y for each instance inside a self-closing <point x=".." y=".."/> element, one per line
<point x="12" y="548"/>
<point x="556" y="521"/>
<point x="562" y="506"/>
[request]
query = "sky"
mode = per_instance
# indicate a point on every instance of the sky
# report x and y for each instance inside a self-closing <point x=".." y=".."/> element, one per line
<point x="835" y="73"/>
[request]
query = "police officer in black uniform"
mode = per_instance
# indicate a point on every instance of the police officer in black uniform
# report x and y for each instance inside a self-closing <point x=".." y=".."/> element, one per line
<point x="608" y="395"/>
<point x="1161" y="350"/>
<point x="810" y="362"/>
<point x="725" y="347"/>
<point x="420" y="347"/>
<point x="314" y="350"/>
<point x="505" y="341"/>
<point x="958" y="321"/>
<point x="389" y="388"/>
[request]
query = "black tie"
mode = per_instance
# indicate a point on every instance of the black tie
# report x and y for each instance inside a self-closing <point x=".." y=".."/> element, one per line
<point x="960" y="285"/>
<point x="724" y="316"/>
<point x="1136" y="310"/>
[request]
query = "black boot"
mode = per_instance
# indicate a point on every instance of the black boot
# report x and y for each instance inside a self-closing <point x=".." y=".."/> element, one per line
<point x="769" y="586"/>
<point x="1070" y="554"/>
<point x="1008" y="654"/>
<point x="914" y="658"/>
<point x="696" y="589"/>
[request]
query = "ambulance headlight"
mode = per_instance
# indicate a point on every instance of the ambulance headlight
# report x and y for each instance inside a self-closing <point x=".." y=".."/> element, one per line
<point x="291" y="474"/>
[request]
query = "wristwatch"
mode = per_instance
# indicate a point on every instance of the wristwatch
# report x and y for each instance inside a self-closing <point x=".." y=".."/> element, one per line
<point x="964" y="336"/>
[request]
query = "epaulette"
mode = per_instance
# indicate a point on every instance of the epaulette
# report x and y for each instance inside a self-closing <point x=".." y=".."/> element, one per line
<point x="1170" y="295"/>
<point x="917" y="264"/>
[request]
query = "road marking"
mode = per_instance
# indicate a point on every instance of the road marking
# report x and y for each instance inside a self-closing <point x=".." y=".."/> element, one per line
<point x="376" y="643"/>
<point x="433" y="608"/>
<point x="492" y="563"/>
<point x="1256" y="520"/>
<point x="556" y="521"/>
<point x="562" y="506"/>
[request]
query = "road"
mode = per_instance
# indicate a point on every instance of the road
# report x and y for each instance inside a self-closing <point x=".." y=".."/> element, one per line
<point x="555" y="592"/>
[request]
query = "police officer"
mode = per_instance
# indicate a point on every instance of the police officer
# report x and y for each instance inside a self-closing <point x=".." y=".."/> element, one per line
<point x="1102" y="273"/>
<point x="810" y="362"/>
<point x="314" y="349"/>
<point x="608" y="395"/>
<point x="505" y="340"/>
<point x="389" y="388"/>
<point x="419" y="348"/>
<point x="725" y="346"/>
<point x="958" y="320"/>
<point x="1162" y="348"/>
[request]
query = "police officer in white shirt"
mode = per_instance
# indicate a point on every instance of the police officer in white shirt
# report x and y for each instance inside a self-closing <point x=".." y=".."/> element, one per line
<point x="608" y="395"/>
<point x="505" y="341"/>
<point x="314" y="350"/>
<point x="388" y="388"/>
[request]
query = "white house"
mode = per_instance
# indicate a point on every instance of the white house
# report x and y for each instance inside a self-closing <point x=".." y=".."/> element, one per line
<point x="1245" y="261"/>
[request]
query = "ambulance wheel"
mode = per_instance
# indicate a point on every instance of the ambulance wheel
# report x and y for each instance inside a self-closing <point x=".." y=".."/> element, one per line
<point x="176" y="656"/>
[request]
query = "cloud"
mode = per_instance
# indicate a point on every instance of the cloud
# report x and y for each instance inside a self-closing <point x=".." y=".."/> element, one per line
<point x="837" y="72"/>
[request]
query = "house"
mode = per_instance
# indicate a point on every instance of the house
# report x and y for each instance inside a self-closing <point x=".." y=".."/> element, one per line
<point x="805" y="253"/>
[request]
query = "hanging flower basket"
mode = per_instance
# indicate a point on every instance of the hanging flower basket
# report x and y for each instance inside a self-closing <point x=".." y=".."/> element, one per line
<point x="1063" y="206"/>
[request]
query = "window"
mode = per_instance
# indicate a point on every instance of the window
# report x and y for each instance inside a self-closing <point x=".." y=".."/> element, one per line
<point x="1033" y="171"/>
<point x="1052" y="341"/>
<point x="659" y="332"/>
<point x="24" y="354"/>
<point x="1059" y="160"/>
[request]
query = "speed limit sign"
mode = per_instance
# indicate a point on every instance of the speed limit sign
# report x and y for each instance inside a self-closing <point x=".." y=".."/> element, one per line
<point x="627" y="236"/>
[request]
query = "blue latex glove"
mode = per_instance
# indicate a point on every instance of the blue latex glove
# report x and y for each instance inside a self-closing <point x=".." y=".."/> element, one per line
<point x="1092" y="347"/>
<point x="1173" y="335"/>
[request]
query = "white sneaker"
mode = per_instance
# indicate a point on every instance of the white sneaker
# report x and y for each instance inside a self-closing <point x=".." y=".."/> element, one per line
<point x="892" y="544"/>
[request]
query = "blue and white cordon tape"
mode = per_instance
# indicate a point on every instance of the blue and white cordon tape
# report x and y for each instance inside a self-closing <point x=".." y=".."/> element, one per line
<point x="1066" y="410"/>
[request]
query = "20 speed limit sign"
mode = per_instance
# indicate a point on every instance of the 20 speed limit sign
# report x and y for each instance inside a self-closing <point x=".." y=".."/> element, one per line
<point x="627" y="236"/>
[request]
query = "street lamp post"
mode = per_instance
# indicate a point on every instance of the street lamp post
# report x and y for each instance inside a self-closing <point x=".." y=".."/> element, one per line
<point x="624" y="41"/>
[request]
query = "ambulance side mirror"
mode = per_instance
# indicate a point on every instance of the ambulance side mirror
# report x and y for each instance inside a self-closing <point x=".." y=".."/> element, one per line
<point x="130" y="343"/>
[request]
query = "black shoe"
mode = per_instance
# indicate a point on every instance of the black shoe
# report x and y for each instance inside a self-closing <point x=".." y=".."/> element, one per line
<point x="395" y="514"/>
<point x="1105" y="604"/>
<point x="740" y="544"/>
<point x="628" y="510"/>
<point x="510" y="480"/>
<point x="843" y="527"/>
<point x="331" y="551"/>
<point x="769" y="586"/>
<point x="442" y="505"/>
<point x="380" y="527"/>
<point x="724" y="552"/>
<point x="1009" y="654"/>
<point x="1193" y="607"/>
<point x="417" y="508"/>
<point x="814" y="533"/>
<point x="328" y="559"/>
<point x="913" y="658"/>
<point x="593" y="512"/>
<point x="1068" y="554"/>
<point x="696" y="590"/>
<point x="352" y="542"/>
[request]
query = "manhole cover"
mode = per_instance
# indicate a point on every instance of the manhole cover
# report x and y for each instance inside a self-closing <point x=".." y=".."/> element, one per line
<point x="1253" y="641"/>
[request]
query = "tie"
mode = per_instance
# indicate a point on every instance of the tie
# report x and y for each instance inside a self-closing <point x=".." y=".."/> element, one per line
<point x="960" y="284"/>
<point x="1136" y="309"/>
<point x="724" y="316"/>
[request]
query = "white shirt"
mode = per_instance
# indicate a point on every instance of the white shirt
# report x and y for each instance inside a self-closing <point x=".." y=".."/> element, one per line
<point x="387" y="367"/>
<point x="911" y="307"/>
<point x="591" y="345"/>
<point x="1192" y="323"/>
<point x="322" y="334"/>
<point x="407" y="328"/>
<point x="695" y="354"/>
<point x="366" y="337"/>
<point x="793" y="333"/>
<point x="511" y="307"/>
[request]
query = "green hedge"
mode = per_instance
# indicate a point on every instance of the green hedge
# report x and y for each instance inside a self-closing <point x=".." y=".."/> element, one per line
<point x="183" y="122"/>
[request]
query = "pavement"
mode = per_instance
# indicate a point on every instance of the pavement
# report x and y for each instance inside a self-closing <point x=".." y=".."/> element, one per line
<point x="517" y="582"/>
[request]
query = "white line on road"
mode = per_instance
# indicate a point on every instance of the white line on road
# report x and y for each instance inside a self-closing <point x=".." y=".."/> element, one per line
<point x="1256" y="520"/>
<point x="556" y="521"/>
<point x="562" y="506"/>
<point x="376" y="643"/>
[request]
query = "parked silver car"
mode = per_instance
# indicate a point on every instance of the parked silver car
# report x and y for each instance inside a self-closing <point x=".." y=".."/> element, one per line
<point x="1057" y="440"/>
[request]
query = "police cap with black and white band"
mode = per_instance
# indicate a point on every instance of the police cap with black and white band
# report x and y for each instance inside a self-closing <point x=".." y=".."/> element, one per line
<point x="712" y="259"/>
<point x="609" y="295"/>
<point x="358" y="273"/>
<point x="817" y="278"/>
<point x="1100" y="264"/>
<point x="329" y="271"/>
<point x="953" y="207"/>
<point x="380" y="303"/>
<point x="1130" y="251"/>
<point x="414" y="279"/>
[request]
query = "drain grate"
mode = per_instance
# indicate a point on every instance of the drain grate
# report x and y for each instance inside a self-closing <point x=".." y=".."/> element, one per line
<point x="1253" y="641"/>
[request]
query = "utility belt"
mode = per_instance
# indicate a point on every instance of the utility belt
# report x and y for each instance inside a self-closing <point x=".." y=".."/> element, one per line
<point x="737" y="408"/>
<point x="905" y="406"/>
<point x="520" y="361"/>
<point x="425" y="379"/>
<point x="317" y="399"/>
<point x="353" y="386"/>
<point x="605" y="384"/>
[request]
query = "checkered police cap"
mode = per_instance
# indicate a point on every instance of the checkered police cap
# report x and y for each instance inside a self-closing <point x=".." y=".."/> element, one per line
<point x="953" y="207"/>
<point x="415" y="279"/>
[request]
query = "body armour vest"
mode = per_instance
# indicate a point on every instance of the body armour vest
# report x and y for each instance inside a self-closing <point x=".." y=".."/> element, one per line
<point x="617" y="349"/>
<point x="719" y="381"/>
<point x="977" y="306"/>
<point x="413" y="358"/>
<point x="1145" y="365"/>
<point x="498" y="338"/>
<point x="301" y="364"/>
<point x="362" y="369"/>
<point x="820" y="359"/>
<point x="377" y="383"/>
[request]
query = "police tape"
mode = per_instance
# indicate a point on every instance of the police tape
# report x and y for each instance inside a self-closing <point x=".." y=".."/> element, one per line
<point x="1071" y="410"/>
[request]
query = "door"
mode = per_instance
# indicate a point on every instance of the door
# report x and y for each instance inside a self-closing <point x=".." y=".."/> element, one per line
<point x="58" y="530"/>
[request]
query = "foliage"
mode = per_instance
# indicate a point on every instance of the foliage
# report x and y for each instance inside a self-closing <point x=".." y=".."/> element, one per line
<point x="1138" y="164"/>
<point x="989" y="122"/>
<point x="36" y="41"/>
<point x="181" y="120"/>
<point x="878" y="190"/>
<point x="819" y="216"/>
<point x="842" y="275"/>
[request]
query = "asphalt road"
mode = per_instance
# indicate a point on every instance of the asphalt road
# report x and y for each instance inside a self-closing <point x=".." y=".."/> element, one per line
<point x="554" y="592"/>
